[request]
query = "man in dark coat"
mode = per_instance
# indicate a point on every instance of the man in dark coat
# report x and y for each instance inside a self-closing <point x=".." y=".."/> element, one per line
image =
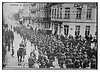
<point x="12" y="52"/>
<point x="31" y="61"/>
<point x="11" y="36"/>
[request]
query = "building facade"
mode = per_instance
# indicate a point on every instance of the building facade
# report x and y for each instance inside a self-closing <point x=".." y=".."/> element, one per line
<point x="47" y="18"/>
<point x="74" y="19"/>
<point x="61" y="18"/>
<point x="37" y="14"/>
<point x="24" y="14"/>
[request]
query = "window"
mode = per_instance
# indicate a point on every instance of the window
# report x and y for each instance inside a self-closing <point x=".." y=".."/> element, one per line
<point x="29" y="21"/>
<point x="77" y="31"/>
<point x="96" y="30"/>
<point x="66" y="30"/>
<point x="67" y="13"/>
<point x="88" y="13"/>
<point x="57" y="13"/>
<point x="87" y="30"/>
<point x="46" y="12"/>
<point x="55" y="29"/>
<point x="78" y="14"/>
<point x="47" y="25"/>
<point x="52" y="13"/>
<point x="49" y="12"/>
<point x="44" y="25"/>
<point x="60" y="13"/>
<point x="60" y="29"/>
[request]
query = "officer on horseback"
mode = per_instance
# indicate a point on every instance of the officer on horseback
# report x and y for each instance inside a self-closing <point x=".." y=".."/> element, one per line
<point x="23" y="45"/>
<point x="21" y="52"/>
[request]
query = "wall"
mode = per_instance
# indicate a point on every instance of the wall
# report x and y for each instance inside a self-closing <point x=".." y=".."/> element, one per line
<point x="26" y="10"/>
<point x="82" y="28"/>
<point x="72" y="22"/>
<point x="73" y="11"/>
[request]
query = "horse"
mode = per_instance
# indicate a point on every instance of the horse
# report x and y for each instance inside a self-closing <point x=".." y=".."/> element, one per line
<point x="21" y="54"/>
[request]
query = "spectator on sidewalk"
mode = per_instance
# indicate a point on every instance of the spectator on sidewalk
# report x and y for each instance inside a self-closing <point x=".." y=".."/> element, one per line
<point x="12" y="52"/>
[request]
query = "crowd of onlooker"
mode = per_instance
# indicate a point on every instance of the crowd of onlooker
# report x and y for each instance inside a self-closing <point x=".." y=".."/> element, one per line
<point x="3" y="52"/>
<point x="4" y="46"/>
<point x="73" y="52"/>
<point x="7" y="37"/>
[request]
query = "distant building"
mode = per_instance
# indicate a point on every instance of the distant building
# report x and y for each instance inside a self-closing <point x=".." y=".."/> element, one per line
<point x="37" y="14"/>
<point x="47" y="18"/>
<point x="20" y="12"/>
<point x="24" y="14"/>
<point x="74" y="19"/>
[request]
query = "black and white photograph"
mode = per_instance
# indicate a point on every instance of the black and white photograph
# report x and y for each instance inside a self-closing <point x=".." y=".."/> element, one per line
<point x="49" y="35"/>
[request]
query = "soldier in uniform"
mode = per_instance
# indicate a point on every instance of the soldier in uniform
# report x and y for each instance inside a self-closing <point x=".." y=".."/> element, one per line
<point x="11" y="36"/>
<point x="31" y="60"/>
<point x="86" y="61"/>
<point x="7" y="39"/>
<point x="23" y="45"/>
<point x="93" y="63"/>
<point x="77" y="63"/>
<point x="12" y="52"/>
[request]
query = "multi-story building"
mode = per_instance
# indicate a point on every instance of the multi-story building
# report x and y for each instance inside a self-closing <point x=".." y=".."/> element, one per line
<point x="20" y="12"/>
<point x="37" y="13"/>
<point x="33" y="14"/>
<point x="26" y="13"/>
<point x="40" y="14"/>
<point x="47" y="18"/>
<point x="74" y="19"/>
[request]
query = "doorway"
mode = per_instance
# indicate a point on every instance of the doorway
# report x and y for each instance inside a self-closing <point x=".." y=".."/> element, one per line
<point x="66" y="29"/>
<point x="55" y="29"/>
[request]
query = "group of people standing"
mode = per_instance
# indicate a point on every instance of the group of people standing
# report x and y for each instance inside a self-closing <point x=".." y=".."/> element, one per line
<point x="8" y="38"/>
<point x="71" y="52"/>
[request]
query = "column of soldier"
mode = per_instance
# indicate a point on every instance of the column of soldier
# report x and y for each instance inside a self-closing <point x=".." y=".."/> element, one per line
<point x="73" y="52"/>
